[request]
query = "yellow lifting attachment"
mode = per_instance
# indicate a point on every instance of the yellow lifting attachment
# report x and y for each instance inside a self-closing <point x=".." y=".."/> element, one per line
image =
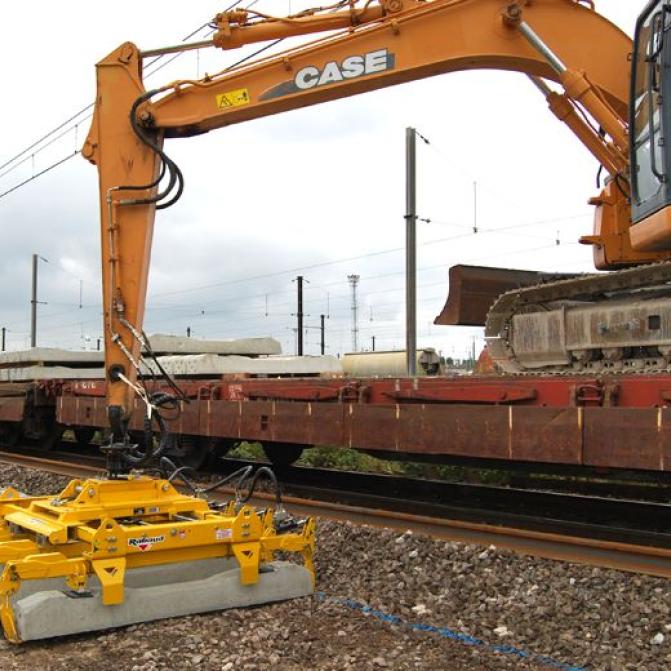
<point x="80" y="547"/>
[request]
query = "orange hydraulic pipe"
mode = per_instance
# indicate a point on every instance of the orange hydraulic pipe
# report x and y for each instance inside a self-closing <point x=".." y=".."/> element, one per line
<point x="230" y="36"/>
<point x="562" y="107"/>
<point x="437" y="37"/>
<point x="575" y="83"/>
<point x="579" y="89"/>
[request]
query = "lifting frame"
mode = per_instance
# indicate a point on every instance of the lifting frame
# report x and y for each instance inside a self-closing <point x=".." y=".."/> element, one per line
<point x="104" y="527"/>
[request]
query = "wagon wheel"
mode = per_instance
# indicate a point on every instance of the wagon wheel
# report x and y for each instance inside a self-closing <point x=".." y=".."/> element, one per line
<point x="218" y="448"/>
<point x="10" y="434"/>
<point x="192" y="451"/>
<point x="283" y="454"/>
<point x="84" y="435"/>
<point x="52" y="438"/>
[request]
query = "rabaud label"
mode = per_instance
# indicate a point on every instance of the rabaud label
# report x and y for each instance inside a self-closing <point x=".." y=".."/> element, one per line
<point x="144" y="543"/>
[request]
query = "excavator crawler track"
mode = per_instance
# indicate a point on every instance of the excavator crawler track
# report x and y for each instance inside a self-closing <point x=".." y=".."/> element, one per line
<point x="611" y="322"/>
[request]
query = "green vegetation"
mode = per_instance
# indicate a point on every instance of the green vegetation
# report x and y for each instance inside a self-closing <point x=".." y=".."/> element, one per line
<point x="247" y="451"/>
<point x="347" y="460"/>
<point x="353" y="460"/>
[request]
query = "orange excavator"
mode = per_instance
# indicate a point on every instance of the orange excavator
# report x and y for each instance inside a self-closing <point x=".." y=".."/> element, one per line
<point x="610" y="95"/>
<point x="608" y="91"/>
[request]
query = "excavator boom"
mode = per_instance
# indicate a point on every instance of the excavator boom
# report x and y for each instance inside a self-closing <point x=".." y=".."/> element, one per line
<point x="381" y="44"/>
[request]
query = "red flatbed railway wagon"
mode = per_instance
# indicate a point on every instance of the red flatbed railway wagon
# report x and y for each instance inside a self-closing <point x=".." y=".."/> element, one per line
<point x="609" y="422"/>
<point x="28" y="413"/>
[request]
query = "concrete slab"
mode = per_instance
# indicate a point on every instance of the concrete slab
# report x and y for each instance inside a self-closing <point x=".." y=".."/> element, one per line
<point x="211" y="364"/>
<point x="161" y="344"/>
<point x="168" y="344"/>
<point x="192" y="358"/>
<point x="29" y="373"/>
<point x="50" y="356"/>
<point x="43" y="610"/>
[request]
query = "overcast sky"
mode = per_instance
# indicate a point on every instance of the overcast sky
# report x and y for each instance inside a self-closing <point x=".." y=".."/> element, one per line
<point x="296" y="193"/>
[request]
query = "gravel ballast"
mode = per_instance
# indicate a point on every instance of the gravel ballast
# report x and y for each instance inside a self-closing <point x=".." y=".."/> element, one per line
<point x="393" y="601"/>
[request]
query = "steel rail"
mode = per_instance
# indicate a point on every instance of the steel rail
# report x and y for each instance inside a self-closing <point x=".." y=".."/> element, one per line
<point x="618" y="517"/>
<point x="633" y="558"/>
<point x="58" y="467"/>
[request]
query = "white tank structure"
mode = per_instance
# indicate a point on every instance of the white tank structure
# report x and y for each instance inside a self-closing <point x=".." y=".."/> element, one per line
<point x="391" y="363"/>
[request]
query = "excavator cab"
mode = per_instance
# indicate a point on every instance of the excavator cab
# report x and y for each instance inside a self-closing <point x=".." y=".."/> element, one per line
<point x="650" y="124"/>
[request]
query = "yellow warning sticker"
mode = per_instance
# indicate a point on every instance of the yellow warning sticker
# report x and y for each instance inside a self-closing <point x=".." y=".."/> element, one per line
<point x="232" y="98"/>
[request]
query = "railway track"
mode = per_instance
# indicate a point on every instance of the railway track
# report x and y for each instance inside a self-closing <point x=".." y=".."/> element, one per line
<point x="575" y="543"/>
<point x="483" y="503"/>
<point x="637" y="515"/>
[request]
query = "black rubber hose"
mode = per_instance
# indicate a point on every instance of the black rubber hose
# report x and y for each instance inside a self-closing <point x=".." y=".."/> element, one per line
<point x="242" y="472"/>
<point x="164" y="434"/>
<point x="180" y="188"/>
<point x="264" y="470"/>
<point x="175" y="173"/>
<point x="173" y="385"/>
<point x="177" y="472"/>
<point x="140" y="458"/>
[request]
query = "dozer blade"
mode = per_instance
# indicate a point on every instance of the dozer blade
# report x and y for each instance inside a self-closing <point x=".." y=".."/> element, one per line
<point x="108" y="553"/>
<point x="474" y="289"/>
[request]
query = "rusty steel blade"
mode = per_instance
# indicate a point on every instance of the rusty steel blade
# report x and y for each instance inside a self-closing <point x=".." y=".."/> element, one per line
<point x="474" y="289"/>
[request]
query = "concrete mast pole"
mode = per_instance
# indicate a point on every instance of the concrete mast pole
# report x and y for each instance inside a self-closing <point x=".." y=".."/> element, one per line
<point x="299" y="315"/>
<point x="322" y="327"/>
<point x="354" y="281"/>
<point x="33" y="306"/>
<point x="410" y="252"/>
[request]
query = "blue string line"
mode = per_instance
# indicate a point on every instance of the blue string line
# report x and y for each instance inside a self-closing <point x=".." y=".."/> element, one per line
<point x="446" y="632"/>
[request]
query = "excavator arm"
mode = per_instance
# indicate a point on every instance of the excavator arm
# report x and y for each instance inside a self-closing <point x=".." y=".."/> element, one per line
<point x="381" y="44"/>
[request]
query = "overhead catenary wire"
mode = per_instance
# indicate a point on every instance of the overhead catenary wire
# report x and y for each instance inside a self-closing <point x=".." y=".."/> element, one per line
<point x="39" y="174"/>
<point x="29" y="157"/>
<point x="501" y="196"/>
<point x="263" y="294"/>
<point x="232" y="325"/>
<point x="88" y="107"/>
<point x="37" y="146"/>
<point x="44" y="137"/>
<point x="324" y="264"/>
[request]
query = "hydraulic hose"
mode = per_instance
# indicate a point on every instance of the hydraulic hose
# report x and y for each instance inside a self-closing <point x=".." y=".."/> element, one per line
<point x="175" y="174"/>
<point x="263" y="471"/>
